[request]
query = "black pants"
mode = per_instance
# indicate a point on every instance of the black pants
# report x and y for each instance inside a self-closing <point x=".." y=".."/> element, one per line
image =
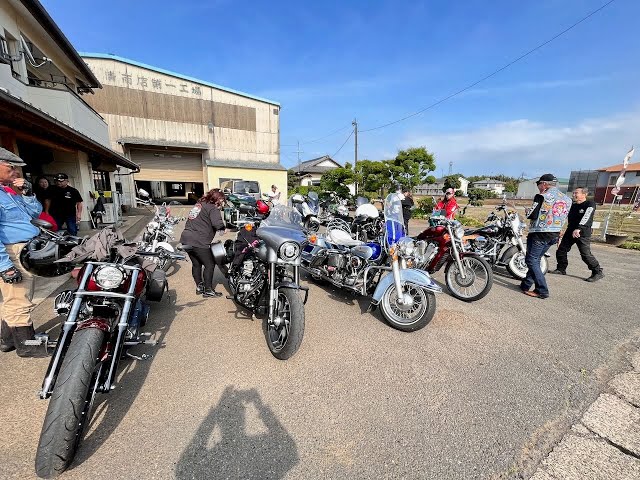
<point x="202" y="258"/>
<point x="584" y="246"/>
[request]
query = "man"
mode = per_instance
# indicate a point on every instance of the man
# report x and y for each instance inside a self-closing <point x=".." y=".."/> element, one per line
<point x="448" y="204"/>
<point x="407" y="208"/>
<point x="548" y="215"/>
<point x="579" y="232"/>
<point x="64" y="204"/>
<point x="274" y="195"/>
<point x="18" y="206"/>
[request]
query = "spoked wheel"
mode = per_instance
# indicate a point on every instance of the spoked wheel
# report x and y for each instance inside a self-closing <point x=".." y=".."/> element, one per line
<point x="517" y="267"/>
<point x="477" y="280"/>
<point x="284" y="334"/>
<point x="71" y="404"/>
<point x="414" y="313"/>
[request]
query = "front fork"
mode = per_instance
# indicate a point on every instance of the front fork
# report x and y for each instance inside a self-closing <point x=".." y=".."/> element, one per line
<point x="456" y="253"/>
<point x="521" y="245"/>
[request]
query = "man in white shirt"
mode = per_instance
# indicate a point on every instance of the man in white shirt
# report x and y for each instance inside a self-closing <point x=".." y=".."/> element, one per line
<point x="274" y="195"/>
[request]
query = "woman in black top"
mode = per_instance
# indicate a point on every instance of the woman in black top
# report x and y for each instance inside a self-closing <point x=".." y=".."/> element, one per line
<point x="40" y="188"/>
<point x="203" y="223"/>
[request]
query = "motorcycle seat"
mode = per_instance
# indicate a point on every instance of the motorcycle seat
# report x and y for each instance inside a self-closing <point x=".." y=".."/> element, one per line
<point x="486" y="230"/>
<point x="340" y="237"/>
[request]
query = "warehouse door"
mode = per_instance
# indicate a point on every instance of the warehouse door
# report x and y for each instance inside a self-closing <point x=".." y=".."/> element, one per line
<point x="169" y="166"/>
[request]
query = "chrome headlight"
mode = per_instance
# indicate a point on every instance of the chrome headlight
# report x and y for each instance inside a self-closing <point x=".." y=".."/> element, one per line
<point x="151" y="226"/>
<point x="108" y="277"/>
<point x="459" y="232"/>
<point x="289" y="251"/>
<point x="406" y="247"/>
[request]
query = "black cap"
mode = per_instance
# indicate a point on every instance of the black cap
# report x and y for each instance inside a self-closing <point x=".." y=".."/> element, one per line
<point x="61" y="176"/>
<point x="547" y="177"/>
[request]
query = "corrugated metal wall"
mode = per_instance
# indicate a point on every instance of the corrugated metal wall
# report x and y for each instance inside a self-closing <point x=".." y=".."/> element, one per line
<point x="168" y="166"/>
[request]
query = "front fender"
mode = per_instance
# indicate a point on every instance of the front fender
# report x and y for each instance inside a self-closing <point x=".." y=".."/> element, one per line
<point x="167" y="246"/>
<point x="410" y="275"/>
<point x="294" y="286"/>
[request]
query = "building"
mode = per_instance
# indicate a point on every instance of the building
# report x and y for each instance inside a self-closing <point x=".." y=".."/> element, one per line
<point x="529" y="189"/>
<point x="495" y="186"/>
<point x="310" y="172"/>
<point x="44" y="115"/>
<point x="437" y="188"/>
<point x="187" y="135"/>
<point x="607" y="177"/>
<point x="583" y="178"/>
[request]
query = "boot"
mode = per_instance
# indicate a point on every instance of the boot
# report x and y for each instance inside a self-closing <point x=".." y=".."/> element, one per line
<point x="595" y="276"/>
<point x="6" y="338"/>
<point x="20" y="334"/>
<point x="200" y="288"/>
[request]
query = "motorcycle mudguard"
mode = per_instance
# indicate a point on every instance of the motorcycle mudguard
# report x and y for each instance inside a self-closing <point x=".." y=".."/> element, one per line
<point x="167" y="246"/>
<point x="508" y="253"/>
<point x="411" y="275"/>
<point x="295" y="287"/>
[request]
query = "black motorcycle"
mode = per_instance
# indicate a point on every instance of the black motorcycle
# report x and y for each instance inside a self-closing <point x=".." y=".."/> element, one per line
<point x="263" y="269"/>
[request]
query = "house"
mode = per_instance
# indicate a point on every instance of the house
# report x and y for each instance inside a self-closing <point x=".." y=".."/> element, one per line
<point x="436" y="188"/>
<point x="528" y="189"/>
<point x="311" y="171"/>
<point x="44" y="114"/>
<point x="495" y="186"/>
<point x="607" y="177"/>
<point x="187" y="135"/>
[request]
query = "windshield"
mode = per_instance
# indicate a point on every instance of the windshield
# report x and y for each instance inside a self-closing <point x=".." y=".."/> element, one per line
<point x="283" y="216"/>
<point x="312" y="200"/>
<point x="246" y="187"/>
<point x="393" y="219"/>
<point x="361" y="201"/>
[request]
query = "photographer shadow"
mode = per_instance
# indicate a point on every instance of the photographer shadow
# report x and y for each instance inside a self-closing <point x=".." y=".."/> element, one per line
<point x="222" y="447"/>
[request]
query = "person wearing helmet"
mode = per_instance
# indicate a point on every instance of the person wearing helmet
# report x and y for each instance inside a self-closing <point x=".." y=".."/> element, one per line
<point x="203" y="221"/>
<point x="448" y="204"/>
<point x="18" y="206"/>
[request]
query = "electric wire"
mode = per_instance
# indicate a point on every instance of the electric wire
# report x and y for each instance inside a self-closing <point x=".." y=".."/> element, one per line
<point x="442" y="100"/>
<point x="318" y="139"/>
<point x="345" y="142"/>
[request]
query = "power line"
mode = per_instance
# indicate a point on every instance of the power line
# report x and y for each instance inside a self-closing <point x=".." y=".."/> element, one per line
<point x="317" y="139"/>
<point x="493" y="73"/>
<point x="345" y="142"/>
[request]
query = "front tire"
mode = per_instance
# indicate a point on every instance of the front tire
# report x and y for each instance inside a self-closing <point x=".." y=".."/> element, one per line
<point x="71" y="403"/>
<point x="518" y="268"/>
<point x="477" y="282"/>
<point x="285" y="339"/>
<point x="415" y="317"/>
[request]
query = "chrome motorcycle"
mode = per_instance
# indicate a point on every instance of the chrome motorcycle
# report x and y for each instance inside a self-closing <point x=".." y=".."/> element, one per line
<point x="382" y="269"/>
<point x="308" y="207"/>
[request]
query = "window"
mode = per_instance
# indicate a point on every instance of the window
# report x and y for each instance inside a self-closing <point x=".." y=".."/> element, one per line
<point x="613" y="178"/>
<point x="4" y="50"/>
<point x="101" y="180"/>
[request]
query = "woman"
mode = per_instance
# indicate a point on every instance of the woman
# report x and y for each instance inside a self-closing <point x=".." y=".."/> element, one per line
<point x="202" y="224"/>
<point x="41" y="191"/>
<point x="448" y="204"/>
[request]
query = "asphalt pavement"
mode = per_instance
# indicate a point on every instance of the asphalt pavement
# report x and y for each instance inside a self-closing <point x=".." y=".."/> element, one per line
<point x="486" y="390"/>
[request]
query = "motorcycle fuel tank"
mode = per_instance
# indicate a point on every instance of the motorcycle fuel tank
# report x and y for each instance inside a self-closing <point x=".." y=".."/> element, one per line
<point x="363" y="251"/>
<point x="432" y="232"/>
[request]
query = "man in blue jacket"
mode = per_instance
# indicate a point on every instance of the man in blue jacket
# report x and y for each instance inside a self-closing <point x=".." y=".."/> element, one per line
<point x="18" y="206"/>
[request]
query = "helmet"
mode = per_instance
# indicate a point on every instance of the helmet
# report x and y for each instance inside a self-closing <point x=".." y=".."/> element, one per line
<point x="39" y="255"/>
<point x="262" y="208"/>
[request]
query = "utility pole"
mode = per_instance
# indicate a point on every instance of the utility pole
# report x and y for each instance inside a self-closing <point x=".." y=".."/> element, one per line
<point x="450" y="167"/>
<point x="355" y="129"/>
<point x="298" y="151"/>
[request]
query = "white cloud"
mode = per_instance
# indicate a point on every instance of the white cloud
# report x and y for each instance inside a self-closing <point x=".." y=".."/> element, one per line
<point x="518" y="146"/>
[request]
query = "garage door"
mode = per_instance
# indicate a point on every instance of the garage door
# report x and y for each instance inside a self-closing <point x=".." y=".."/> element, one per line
<point x="168" y="166"/>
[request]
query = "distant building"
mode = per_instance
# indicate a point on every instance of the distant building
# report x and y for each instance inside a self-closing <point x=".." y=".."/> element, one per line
<point x="607" y="177"/>
<point x="584" y="178"/>
<point x="495" y="186"/>
<point x="528" y="188"/>
<point x="436" y="188"/>
<point x="311" y="171"/>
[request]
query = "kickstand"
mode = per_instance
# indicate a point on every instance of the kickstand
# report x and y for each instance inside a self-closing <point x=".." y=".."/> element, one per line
<point x="142" y="357"/>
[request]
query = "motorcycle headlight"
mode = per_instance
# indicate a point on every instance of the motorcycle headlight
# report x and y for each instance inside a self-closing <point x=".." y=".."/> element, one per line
<point x="108" y="277"/>
<point x="289" y="251"/>
<point x="168" y="228"/>
<point x="151" y="226"/>
<point x="459" y="232"/>
<point x="406" y="247"/>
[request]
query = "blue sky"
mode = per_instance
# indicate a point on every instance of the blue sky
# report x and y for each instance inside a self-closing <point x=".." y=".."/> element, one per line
<point x="573" y="104"/>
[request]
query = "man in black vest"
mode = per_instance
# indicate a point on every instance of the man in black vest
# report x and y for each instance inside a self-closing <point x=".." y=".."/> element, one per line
<point x="579" y="232"/>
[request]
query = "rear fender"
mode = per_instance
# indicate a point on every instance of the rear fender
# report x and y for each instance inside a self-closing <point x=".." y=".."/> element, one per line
<point x="411" y="275"/>
<point x="167" y="246"/>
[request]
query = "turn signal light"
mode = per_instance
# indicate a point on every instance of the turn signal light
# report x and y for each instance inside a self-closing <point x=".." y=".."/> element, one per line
<point x="248" y="227"/>
<point x="313" y="238"/>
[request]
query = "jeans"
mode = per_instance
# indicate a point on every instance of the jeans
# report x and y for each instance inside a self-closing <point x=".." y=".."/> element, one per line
<point x="536" y="248"/>
<point x="72" y="225"/>
<point x="584" y="247"/>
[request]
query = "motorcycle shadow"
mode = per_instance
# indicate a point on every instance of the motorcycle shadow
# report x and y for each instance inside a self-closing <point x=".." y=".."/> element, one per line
<point x="241" y="437"/>
<point x="110" y="409"/>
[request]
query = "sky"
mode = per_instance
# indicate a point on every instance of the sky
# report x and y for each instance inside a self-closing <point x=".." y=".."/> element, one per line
<point x="573" y="104"/>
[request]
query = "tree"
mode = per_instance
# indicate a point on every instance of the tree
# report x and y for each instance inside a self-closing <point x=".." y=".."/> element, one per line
<point x="411" y="167"/>
<point x="451" y="181"/>
<point x="292" y="179"/>
<point x="336" y="180"/>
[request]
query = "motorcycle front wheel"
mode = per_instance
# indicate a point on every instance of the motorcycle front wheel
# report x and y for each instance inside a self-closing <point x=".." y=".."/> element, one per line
<point x="517" y="267"/>
<point x="408" y="318"/>
<point x="71" y="403"/>
<point x="284" y="335"/>
<point x="476" y="283"/>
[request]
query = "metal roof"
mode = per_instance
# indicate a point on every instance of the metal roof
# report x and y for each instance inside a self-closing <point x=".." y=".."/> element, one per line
<point x="161" y="143"/>
<point x="108" y="56"/>
<point x="254" y="165"/>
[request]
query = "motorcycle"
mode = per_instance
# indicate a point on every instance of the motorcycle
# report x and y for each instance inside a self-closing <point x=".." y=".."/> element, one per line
<point x="307" y="206"/>
<point x="262" y="266"/>
<point x="238" y="209"/>
<point x="332" y="207"/>
<point x="104" y="317"/>
<point x="367" y="224"/>
<point x="158" y="233"/>
<point x="377" y="268"/>
<point x="500" y="242"/>
<point x="468" y="276"/>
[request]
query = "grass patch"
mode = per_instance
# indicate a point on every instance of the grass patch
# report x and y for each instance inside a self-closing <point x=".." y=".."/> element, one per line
<point x="631" y="245"/>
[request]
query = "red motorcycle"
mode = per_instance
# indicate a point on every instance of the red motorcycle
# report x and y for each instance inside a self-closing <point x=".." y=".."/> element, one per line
<point x="468" y="276"/>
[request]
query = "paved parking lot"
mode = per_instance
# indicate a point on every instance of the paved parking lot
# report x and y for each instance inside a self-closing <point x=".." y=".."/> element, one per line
<point x="484" y="391"/>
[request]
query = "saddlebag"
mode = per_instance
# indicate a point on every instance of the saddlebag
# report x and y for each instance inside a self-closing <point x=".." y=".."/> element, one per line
<point x="156" y="285"/>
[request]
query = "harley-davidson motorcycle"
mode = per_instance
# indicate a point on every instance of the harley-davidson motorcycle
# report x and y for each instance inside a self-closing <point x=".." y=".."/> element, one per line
<point x="368" y="223"/>
<point x="308" y="207"/>
<point x="380" y="268"/>
<point x="500" y="242"/>
<point x="263" y="269"/>
<point x="332" y="207"/>
<point x="157" y="235"/>
<point x="467" y="275"/>
<point x="104" y="317"/>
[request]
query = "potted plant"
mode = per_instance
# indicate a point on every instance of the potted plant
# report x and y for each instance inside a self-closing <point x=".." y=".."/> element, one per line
<point x="615" y="234"/>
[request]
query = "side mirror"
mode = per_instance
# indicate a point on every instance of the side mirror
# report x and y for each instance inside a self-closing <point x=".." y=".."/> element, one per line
<point x="143" y="193"/>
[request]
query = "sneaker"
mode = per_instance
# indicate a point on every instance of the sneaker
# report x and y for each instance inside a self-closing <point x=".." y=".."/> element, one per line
<point x="200" y="288"/>
<point x="209" y="293"/>
<point x="595" y="276"/>
<point x="557" y="271"/>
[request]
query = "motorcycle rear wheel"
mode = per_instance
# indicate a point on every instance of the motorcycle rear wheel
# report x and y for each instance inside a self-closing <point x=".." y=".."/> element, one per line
<point x="518" y="269"/>
<point x="465" y="289"/>
<point x="417" y="317"/>
<point x="71" y="403"/>
<point x="285" y="340"/>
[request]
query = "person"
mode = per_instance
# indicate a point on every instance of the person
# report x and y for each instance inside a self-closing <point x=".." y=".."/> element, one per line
<point x="64" y="203"/>
<point x="448" y="204"/>
<point x="203" y="222"/>
<point x="274" y="195"/>
<point x="548" y="214"/>
<point x="579" y="232"/>
<point x="41" y="189"/>
<point x="407" y="207"/>
<point x="99" y="210"/>
<point x="17" y="208"/>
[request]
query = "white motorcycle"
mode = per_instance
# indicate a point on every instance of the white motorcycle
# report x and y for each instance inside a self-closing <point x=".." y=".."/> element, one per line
<point x="159" y="232"/>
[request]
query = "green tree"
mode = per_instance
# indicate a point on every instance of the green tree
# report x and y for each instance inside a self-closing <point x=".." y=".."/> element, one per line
<point x="292" y="180"/>
<point x="336" y="180"/>
<point x="411" y="167"/>
<point x="452" y="181"/>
